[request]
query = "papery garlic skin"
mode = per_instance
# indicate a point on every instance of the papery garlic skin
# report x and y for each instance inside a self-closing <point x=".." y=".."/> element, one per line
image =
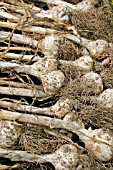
<point x="53" y="81"/>
<point x="93" y="82"/>
<point x="49" y="45"/>
<point x="105" y="99"/>
<point x="9" y="133"/>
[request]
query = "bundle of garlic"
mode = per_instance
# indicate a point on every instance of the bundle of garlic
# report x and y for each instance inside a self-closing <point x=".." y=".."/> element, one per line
<point x="34" y="72"/>
<point x="99" y="142"/>
<point x="97" y="49"/>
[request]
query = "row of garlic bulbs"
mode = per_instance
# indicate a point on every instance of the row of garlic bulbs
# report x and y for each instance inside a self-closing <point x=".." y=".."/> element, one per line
<point x="99" y="142"/>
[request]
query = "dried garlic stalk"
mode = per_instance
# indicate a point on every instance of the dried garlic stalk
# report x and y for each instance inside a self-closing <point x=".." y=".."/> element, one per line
<point x="59" y="110"/>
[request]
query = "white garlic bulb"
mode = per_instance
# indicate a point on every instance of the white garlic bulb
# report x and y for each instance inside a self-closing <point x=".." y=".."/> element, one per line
<point x="61" y="13"/>
<point x="84" y="64"/>
<point x="52" y="82"/>
<point x="44" y="65"/>
<point x="9" y="133"/>
<point x="49" y="45"/>
<point x="105" y="99"/>
<point x="93" y="82"/>
<point x="99" y="142"/>
<point x="97" y="48"/>
<point x="61" y="108"/>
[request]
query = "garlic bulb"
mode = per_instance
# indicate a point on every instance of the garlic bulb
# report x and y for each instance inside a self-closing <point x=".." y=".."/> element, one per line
<point x="64" y="158"/>
<point x="61" y="13"/>
<point x="105" y="99"/>
<point x="44" y="65"/>
<point x="97" y="48"/>
<point x="84" y="64"/>
<point x="49" y="45"/>
<point x="61" y="108"/>
<point x="52" y="81"/>
<point x="9" y="133"/>
<point x="99" y="142"/>
<point x="93" y="82"/>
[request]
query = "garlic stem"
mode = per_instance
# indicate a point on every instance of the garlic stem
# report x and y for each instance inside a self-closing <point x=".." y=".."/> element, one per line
<point x="19" y="56"/>
<point x="17" y="48"/>
<point x="65" y="157"/>
<point x="19" y="85"/>
<point x="59" y="110"/>
<point x="34" y="29"/>
<point x="23" y="92"/>
<point x="20" y="9"/>
<point x="8" y="16"/>
<point x="17" y="38"/>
